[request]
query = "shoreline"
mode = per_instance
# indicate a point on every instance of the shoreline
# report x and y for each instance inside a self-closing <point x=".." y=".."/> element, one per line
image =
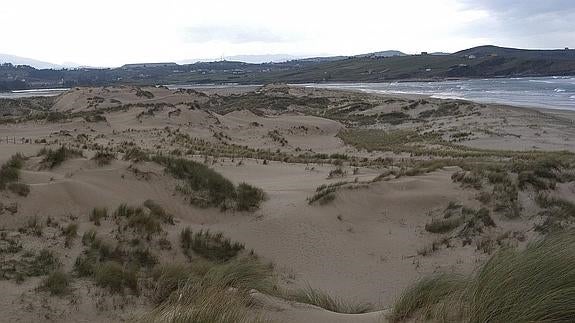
<point x="433" y="96"/>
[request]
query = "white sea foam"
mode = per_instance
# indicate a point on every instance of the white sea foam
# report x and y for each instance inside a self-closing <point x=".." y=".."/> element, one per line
<point x="548" y="92"/>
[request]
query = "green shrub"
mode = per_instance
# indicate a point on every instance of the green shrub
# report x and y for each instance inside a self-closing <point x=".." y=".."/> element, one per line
<point x="55" y="116"/>
<point x="325" y="301"/>
<point x="53" y="158"/>
<point x="419" y="299"/>
<point x="244" y="273"/>
<point x="212" y="246"/>
<point x="209" y="187"/>
<point x="468" y="179"/>
<point x="33" y="226"/>
<point x="206" y="297"/>
<point x="159" y="212"/>
<point x="168" y="279"/>
<point x="98" y="214"/>
<point x="338" y="172"/>
<point x="103" y="158"/>
<point x="42" y="264"/>
<point x="19" y="188"/>
<point x="141" y="258"/>
<point x="506" y="200"/>
<point x="136" y="155"/>
<point x="204" y="304"/>
<point x="57" y="283"/>
<point x="538" y="183"/>
<point x="85" y="264"/>
<point x="89" y="237"/>
<point x="136" y="218"/>
<point x="325" y="194"/>
<point x="249" y="197"/>
<point x="10" y="171"/>
<point x="15" y="161"/>
<point x="558" y="213"/>
<point x="443" y="225"/>
<point x="115" y="277"/>
<point x="70" y="232"/>
<point x="536" y="284"/>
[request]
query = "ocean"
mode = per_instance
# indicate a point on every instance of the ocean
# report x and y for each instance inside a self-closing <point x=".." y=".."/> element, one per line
<point x="556" y="92"/>
<point x="31" y="93"/>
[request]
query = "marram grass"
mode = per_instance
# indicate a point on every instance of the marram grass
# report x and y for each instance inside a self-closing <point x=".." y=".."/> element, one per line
<point x="536" y="284"/>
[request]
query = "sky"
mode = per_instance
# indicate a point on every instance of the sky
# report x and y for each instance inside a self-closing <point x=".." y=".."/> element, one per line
<point x="115" y="32"/>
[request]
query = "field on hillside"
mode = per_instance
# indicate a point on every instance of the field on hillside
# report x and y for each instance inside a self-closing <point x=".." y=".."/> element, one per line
<point x="277" y="203"/>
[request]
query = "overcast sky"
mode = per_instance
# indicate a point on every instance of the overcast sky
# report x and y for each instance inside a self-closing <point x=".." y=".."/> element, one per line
<point x="114" y="32"/>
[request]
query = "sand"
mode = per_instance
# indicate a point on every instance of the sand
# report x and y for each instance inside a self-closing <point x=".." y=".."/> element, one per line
<point x="362" y="247"/>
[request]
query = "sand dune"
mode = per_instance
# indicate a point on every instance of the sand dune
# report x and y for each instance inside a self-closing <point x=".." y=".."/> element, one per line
<point x="366" y="244"/>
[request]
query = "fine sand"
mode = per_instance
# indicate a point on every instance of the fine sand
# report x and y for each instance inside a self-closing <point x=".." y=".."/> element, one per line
<point x="365" y="246"/>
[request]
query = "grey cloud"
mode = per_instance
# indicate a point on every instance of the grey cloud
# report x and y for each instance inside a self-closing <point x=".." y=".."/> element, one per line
<point x="523" y="8"/>
<point x="541" y="23"/>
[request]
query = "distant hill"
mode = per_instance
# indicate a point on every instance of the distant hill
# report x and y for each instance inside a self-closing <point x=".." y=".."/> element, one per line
<point x="533" y="54"/>
<point x="322" y="59"/>
<point x="252" y="59"/>
<point x="146" y="65"/>
<point x="483" y="61"/>
<point x="281" y="58"/>
<point x="386" y="53"/>
<point x="17" y="60"/>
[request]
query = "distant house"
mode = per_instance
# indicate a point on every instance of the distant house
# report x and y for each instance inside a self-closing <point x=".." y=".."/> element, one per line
<point x="424" y="53"/>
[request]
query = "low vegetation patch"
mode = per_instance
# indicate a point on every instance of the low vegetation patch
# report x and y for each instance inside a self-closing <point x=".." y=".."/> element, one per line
<point x="325" y="193"/>
<point x="19" y="189"/>
<point x="57" y="283"/>
<point x="338" y="172"/>
<point x="249" y="197"/>
<point x="136" y="155"/>
<point x="29" y="264"/>
<point x="443" y="225"/>
<point x="53" y="158"/>
<point x="10" y="174"/>
<point x="558" y="213"/>
<point x="469" y="221"/>
<point x="206" y="187"/>
<point x="103" y="158"/>
<point x="70" y="232"/>
<point x="98" y="214"/>
<point x="531" y="285"/>
<point x="143" y="222"/>
<point x="115" y="277"/>
<point x="212" y="246"/>
<point x="218" y="294"/>
<point x="322" y="299"/>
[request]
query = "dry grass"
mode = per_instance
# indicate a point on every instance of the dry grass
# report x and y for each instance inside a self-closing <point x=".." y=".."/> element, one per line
<point x="10" y="172"/>
<point x="208" y="297"/>
<point x="98" y="214"/>
<point x="57" y="283"/>
<point x="53" y="158"/>
<point x="103" y="158"/>
<point x="206" y="187"/>
<point x="212" y="246"/>
<point x="532" y="285"/>
<point x="320" y="298"/>
<point x="116" y="277"/>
